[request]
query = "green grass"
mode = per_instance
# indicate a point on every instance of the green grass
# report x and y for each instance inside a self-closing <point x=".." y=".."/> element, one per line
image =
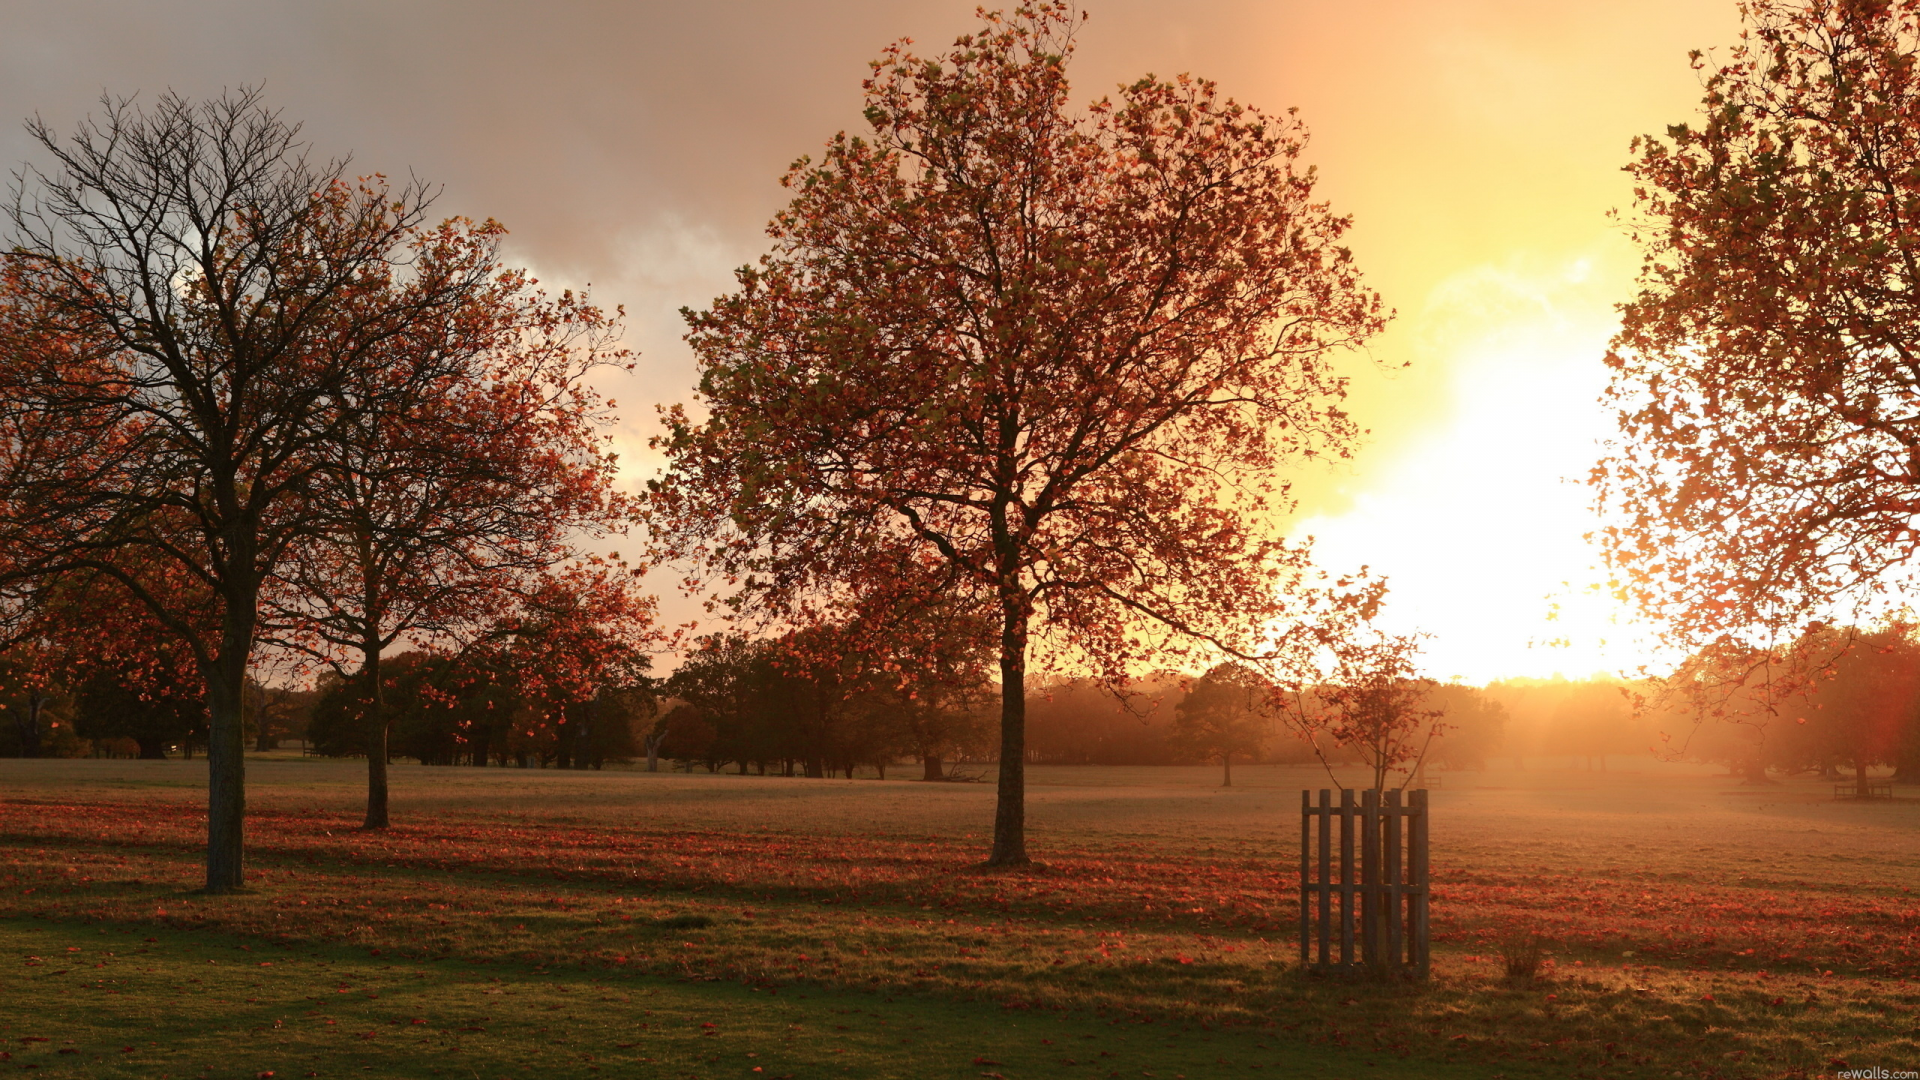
<point x="121" y="1002"/>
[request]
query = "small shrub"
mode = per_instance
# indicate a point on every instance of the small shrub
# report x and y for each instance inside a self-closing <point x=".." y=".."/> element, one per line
<point x="684" y="922"/>
<point x="1521" y="951"/>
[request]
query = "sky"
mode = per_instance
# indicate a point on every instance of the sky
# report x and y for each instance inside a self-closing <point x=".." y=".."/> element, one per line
<point x="636" y="147"/>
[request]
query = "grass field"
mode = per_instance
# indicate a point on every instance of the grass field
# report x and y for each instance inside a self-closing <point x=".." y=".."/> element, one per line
<point x="546" y="924"/>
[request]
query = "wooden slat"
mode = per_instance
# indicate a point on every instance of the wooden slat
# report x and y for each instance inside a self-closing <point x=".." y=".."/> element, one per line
<point x="1346" y="877"/>
<point x="1370" y="876"/>
<point x="1306" y="874"/>
<point x="1417" y="877"/>
<point x="1390" y="850"/>
<point x="1326" y="879"/>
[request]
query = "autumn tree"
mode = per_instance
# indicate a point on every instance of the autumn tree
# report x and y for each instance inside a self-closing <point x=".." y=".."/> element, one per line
<point x="574" y="652"/>
<point x="128" y="677"/>
<point x="186" y="324"/>
<point x="936" y="684"/>
<point x="1862" y="704"/>
<point x="1225" y="713"/>
<point x="1767" y="474"/>
<point x="1057" y="357"/>
<point x="445" y="490"/>
<point x="724" y="681"/>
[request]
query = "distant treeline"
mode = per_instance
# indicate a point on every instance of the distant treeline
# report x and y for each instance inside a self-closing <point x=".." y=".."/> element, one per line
<point x="765" y="707"/>
<point x="1838" y="700"/>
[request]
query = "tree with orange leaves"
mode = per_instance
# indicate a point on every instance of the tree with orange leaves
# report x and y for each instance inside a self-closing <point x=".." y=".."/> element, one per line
<point x="434" y="506"/>
<point x="1766" y="376"/>
<point x="1227" y="711"/>
<point x="568" y="647"/>
<point x="1051" y="362"/>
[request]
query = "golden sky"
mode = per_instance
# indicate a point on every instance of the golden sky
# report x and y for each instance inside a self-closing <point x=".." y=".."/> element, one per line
<point x="636" y="146"/>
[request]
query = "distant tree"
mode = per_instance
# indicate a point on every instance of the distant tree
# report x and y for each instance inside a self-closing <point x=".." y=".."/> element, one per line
<point x="1085" y="722"/>
<point x="1590" y="717"/>
<point x="83" y="642"/>
<point x="1725" y="699"/>
<point x="1859" y="711"/>
<point x="927" y="663"/>
<point x="275" y="711"/>
<point x="1476" y="723"/>
<point x="336" y="726"/>
<point x="583" y="634"/>
<point x="818" y="676"/>
<point x="1766" y="476"/>
<point x="421" y="706"/>
<point x="34" y="660"/>
<point x="1057" y="360"/>
<point x="686" y="735"/>
<point x="1227" y="712"/>
<point x="730" y="680"/>
<point x="184" y="321"/>
<point x="941" y="715"/>
<point x="106" y="708"/>
<point x="129" y="678"/>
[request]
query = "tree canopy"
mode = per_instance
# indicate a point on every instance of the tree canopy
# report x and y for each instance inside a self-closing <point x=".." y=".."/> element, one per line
<point x="1767" y="373"/>
<point x="1051" y="362"/>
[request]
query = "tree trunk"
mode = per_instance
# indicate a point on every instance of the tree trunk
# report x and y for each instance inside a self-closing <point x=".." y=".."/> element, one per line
<point x="29" y="735"/>
<point x="653" y="750"/>
<point x="1860" y="787"/>
<point x="582" y="738"/>
<point x="1754" y="771"/>
<point x="1226" y="760"/>
<point x="152" y="749"/>
<point x="1010" y="809"/>
<point x="376" y="721"/>
<point x="226" y="746"/>
<point x="935" y="767"/>
<point x="36" y="705"/>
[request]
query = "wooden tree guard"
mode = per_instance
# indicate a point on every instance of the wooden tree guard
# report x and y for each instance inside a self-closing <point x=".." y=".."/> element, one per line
<point x="1382" y="898"/>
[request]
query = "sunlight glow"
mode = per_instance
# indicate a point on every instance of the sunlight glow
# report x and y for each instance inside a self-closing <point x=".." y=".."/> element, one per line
<point x="1479" y="526"/>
